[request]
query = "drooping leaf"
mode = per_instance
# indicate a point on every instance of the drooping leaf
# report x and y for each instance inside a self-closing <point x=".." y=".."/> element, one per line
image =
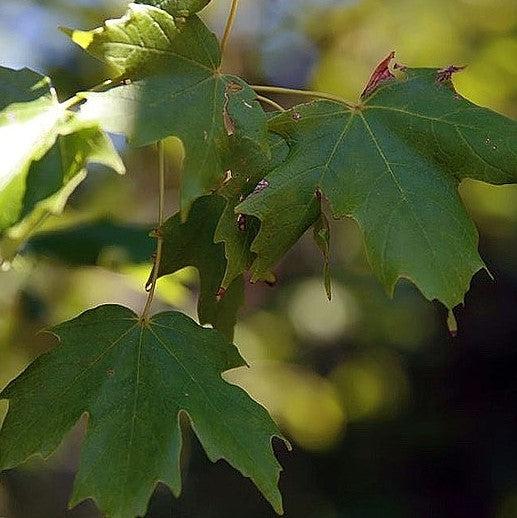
<point x="321" y="232"/>
<point x="247" y="126"/>
<point x="27" y="132"/>
<point x="87" y="244"/>
<point x="192" y="244"/>
<point x="45" y="151"/>
<point x="175" y="89"/>
<point x="133" y="380"/>
<point x="393" y="164"/>
<point x="177" y="7"/>
<point x="248" y="165"/>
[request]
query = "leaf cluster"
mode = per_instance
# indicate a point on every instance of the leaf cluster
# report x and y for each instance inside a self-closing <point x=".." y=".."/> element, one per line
<point x="252" y="184"/>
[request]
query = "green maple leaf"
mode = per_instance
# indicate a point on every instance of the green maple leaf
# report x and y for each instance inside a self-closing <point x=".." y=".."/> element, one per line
<point x="191" y="243"/>
<point x="175" y="89"/>
<point x="394" y="165"/>
<point x="133" y="380"/>
<point x="249" y="162"/>
<point x="21" y="86"/>
<point x="177" y="7"/>
<point x="45" y="150"/>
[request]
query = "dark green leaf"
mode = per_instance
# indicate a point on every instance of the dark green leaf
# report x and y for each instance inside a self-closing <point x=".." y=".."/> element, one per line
<point x="249" y="164"/>
<point x="192" y="244"/>
<point x="394" y="165"/>
<point x="21" y="86"/>
<point x="88" y="244"/>
<point x="133" y="381"/>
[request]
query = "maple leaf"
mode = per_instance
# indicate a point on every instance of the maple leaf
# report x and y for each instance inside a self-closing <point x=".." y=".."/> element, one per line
<point x="133" y="380"/>
<point x="191" y="243"/>
<point x="393" y="163"/>
<point x="21" y="86"/>
<point x="252" y="152"/>
<point x="45" y="150"/>
<point x="175" y="88"/>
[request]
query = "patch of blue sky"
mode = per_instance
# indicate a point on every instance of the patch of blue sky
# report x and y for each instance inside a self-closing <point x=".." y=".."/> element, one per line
<point x="29" y="35"/>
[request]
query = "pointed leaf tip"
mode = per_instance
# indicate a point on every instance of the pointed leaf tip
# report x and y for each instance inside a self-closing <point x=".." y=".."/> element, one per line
<point x="452" y="324"/>
<point x="380" y="75"/>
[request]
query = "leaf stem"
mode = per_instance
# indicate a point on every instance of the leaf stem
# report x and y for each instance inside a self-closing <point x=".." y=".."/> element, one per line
<point x="308" y="93"/>
<point x="159" y="247"/>
<point x="76" y="99"/>
<point x="271" y="103"/>
<point x="229" y="25"/>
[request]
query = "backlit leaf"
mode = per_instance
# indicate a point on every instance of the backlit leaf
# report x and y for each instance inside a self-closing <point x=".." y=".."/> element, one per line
<point x="45" y="151"/>
<point x="21" y="86"/>
<point x="175" y="89"/>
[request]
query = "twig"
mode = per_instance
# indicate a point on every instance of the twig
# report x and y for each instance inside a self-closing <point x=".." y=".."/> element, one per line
<point x="159" y="247"/>
<point x="308" y="93"/>
<point x="271" y="103"/>
<point x="229" y="25"/>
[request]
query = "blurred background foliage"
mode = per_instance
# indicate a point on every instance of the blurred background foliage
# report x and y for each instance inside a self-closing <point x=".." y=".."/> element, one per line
<point x="388" y="415"/>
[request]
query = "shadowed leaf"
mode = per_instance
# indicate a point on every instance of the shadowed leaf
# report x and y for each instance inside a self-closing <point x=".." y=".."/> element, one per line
<point x="133" y="381"/>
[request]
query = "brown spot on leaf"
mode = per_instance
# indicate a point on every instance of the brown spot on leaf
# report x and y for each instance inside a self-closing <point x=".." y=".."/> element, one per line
<point x="381" y="74"/>
<point x="242" y="222"/>
<point x="263" y="184"/>
<point x="229" y="124"/>
<point x="444" y="74"/>
<point x="110" y="373"/>
<point x="233" y="87"/>
<point x="221" y="292"/>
